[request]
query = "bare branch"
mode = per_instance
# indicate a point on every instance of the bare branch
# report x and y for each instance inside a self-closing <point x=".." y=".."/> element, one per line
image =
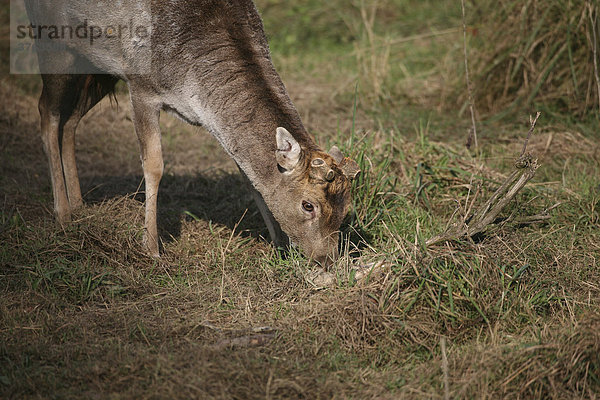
<point x="532" y="122"/>
<point x="534" y="219"/>
<point x="525" y="168"/>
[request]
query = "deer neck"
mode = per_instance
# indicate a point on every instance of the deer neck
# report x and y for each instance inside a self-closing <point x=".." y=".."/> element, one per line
<point x="227" y="83"/>
<point x="248" y="134"/>
<point x="243" y="116"/>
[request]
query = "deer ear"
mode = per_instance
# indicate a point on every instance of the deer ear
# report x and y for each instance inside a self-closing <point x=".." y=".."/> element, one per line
<point x="288" y="149"/>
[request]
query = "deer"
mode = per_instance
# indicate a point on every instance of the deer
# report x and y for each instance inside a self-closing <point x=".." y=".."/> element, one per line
<point x="208" y="63"/>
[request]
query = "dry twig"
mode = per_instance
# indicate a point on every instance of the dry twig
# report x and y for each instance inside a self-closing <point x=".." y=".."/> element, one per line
<point x="248" y="338"/>
<point x="244" y="341"/>
<point x="525" y="168"/>
<point x="532" y="122"/>
<point x="445" y="369"/>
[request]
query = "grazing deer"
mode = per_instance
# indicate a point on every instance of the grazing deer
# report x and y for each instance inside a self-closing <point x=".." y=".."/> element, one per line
<point x="207" y="62"/>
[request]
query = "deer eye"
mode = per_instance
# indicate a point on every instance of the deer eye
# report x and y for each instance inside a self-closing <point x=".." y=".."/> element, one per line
<point x="307" y="206"/>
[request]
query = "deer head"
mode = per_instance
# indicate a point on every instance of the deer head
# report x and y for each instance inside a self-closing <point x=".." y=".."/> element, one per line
<point x="313" y="196"/>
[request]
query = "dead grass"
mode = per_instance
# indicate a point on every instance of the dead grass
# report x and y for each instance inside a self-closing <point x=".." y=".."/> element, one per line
<point x="556" y="364"/>
<point x="85" y="313"/>
<point x="533" y="52"/>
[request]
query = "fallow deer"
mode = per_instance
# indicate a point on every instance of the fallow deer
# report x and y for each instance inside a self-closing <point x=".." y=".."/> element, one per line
<point x="207" y="62"/>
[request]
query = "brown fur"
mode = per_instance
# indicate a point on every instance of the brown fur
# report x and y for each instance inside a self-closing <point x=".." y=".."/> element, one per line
<point x="210" y="65"/>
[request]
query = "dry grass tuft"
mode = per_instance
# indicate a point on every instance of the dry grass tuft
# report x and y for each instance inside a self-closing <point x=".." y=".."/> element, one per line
<point x="561" y="363"/>
<point x="542" y="52"/>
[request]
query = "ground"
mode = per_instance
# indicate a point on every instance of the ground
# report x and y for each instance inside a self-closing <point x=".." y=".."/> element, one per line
<point x="513" y="312"/>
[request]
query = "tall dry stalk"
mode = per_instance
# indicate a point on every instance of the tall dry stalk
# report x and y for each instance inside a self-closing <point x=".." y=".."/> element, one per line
<point x="373" y="58"/>
<point x="469" y="85"/>
<point x="593" y="14"/>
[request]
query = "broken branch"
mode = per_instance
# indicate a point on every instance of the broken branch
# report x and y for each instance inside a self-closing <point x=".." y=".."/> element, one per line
<point x="525" y="168"/>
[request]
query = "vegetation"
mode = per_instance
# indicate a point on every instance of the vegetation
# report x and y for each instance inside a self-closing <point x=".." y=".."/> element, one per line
<point x="542" y="55"/>
<point x="513" y="312"/>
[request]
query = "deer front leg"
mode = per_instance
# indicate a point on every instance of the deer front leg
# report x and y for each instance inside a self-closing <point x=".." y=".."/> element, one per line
<point x="146" y="118"/>
<point x="50" y="127"/>
<point x="70" y="166"/>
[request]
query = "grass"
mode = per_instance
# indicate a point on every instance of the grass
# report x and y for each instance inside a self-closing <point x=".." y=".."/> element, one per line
<point x="85" y="313"/>
<point x="542" y="57"/>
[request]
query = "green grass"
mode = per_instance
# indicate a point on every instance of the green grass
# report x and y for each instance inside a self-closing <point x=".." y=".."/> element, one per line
<point x="84" y="312"/>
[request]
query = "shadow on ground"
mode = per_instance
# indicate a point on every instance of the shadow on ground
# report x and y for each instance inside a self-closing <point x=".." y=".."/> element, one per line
<point x="220" y="198"/>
